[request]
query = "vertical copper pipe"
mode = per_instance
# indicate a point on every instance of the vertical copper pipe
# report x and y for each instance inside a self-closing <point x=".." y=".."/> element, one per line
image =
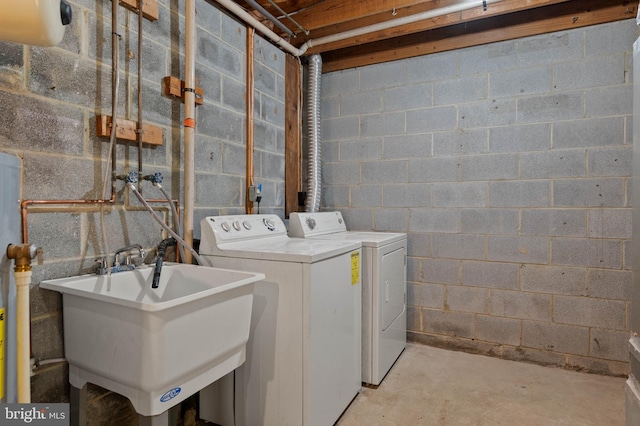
<point x="139" y="126"/>
<point x="250" y="112"/>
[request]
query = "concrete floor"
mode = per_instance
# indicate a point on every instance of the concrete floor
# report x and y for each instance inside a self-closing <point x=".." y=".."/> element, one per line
<point x="430" y="386"/>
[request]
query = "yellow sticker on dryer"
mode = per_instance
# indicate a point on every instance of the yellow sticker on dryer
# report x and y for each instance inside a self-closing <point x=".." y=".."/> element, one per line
<point x="355" y="268"/>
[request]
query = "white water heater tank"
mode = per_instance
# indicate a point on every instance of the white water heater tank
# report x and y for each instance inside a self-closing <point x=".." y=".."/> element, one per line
<point x="34" y="22"/>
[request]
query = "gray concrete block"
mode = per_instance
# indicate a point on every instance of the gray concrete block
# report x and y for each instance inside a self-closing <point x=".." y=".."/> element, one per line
<point x="335" y="196"/>
<point x="221" y="123"/>
<point x="517" y="304"/>
<point x="366" y="196"/>
<point x="388" y="123"/>
<point x="489" y="57"/>
<point x="267" y="137"/>
<point x="521" y="82"/>
<point x="425" y="295"/>
<point x="58" y="234"/>
<point x="407" y="146"/>
<point x="611" y="161"/>
<point x="11" y="65"/>
<point x="361" y="103"/>
<point x="489" y="167"/>
<point x="553" y="279"/>
<point x="495" y="112"/>
<point x="219" y="190"/>
<point x="336" y="129"/>
<point x="407" y="195"/>
<point x="385" y="172"/>
<point x="208" y="18"/>
<point x="604" y="39"/>
<point x="552" y="164"/>
<point x="628" y="130"/>
<point x="607" y="192"/>
<point x="431" y="119"/>
<point x="434" y="220"/>
<point x="505" y="331"/>
<point x="489" y="221"/>
<point x="468" y="194"/>
<point x="49" y="177"/>
<point x="46" y="337"/>
<point x="408" y="97"/>
<point x="590" y="72"/>
<point x="330" y="107"/>
<point x="392" y="220"/>
<point x="418" y="244"/>
<point x="413" y="270"/>
<point x="272" y="165"/>
<point x="532" y="137"/>
<point x="610" y="223"/>
<point x="518" y="249"/>
<point x="234" y="94"/>
<point x="340" y="174"/>
<point x="554" y="222"/>
<point x="461" y="89"/>
<point x="414" y="318"/>
<point x="272" y="110"/>
<point x="340" y="82"/>
<point x="555" y="337"/>
<point x="589" y="312"/>
<point x="432" y="67"/>
<point x="588" y="133"/>
<point x="490" y="275"/>
<point x="211" y="83"/>
<point x="440" y="271"/>
<point x="550" y="48"/>
<point x="388" y="74"/>
<point x="458" y="246"/>
<point x="40" y="125"/>
<point x="269" y="54"/>
<point x="358" y="219"/>
<point x="234" y="32"/>
<point x="587" y="252"/>
<point x="461" y="142"/>
<point x="366" y="149"/>
<point x="554" y="107"/>
<point x="330" y="151"/>
<point x="605" y="101"/>
<point x="433" y="170"/>
<point x="467" y="299"/>
<point x="457" y="324"/>
<point x="610" y="284"/>
<point x="220" y="56"/>
<point x="609" y="344"/>
<point x="628" y="255"/>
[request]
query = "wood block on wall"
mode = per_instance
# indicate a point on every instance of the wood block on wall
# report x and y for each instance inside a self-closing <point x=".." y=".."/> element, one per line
<point x="149" y="8"/>
<point x="126" y="130"/>
<point x="173" y="86"/>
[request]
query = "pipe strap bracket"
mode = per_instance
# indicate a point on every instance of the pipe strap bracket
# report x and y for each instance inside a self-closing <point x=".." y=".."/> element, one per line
<point x="189" y="122"/>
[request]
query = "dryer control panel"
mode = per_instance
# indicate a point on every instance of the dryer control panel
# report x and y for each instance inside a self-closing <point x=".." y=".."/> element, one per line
<point x="315" y="224"/>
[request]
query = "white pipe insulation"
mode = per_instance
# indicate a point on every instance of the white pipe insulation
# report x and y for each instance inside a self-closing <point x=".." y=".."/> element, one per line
<point x="189" y="123"/>
<point x="405" y="20"/>
<point x="23" y="325"/>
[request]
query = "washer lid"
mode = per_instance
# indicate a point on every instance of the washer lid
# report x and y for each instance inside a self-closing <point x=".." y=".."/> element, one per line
<point x="285" y="249"/>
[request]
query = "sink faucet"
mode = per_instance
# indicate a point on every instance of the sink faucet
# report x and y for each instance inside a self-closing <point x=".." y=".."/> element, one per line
<point x="162" y="248"/>
<point x="116" y="256"/>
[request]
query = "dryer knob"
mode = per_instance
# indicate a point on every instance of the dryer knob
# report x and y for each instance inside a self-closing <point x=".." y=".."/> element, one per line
<point x="225" y="227"/>
<point x="269" y="224"/>
<point x="246" y="224"/>
<point x="311" y="223"/>
<point x="236" y="225"/>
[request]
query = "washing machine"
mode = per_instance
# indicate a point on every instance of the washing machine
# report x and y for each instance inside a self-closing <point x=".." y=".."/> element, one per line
<point x="304" y="353"/>
<point x="384" y="287"/>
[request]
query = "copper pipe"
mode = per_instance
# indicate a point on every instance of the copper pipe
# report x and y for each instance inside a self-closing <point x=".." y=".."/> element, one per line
<point x="250" y="112"/>
<point x="26" y="203"/>
<point x="139" y="126"/>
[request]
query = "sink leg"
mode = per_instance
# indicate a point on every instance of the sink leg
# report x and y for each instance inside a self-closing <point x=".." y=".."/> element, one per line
<point x="78" y="406"/>
<point x="161" y="419"/>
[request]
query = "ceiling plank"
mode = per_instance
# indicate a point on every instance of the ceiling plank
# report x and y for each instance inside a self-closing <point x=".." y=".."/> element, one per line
<point x="564" y="16"/>
<point x="496" y="9"/>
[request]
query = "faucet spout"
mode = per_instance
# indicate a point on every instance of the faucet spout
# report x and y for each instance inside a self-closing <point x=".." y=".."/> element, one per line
<point x="116" y="256"/>
<point x="162" y="248"/>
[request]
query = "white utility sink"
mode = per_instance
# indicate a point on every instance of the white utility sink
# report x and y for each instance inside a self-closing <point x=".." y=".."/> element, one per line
<point x="155" y="346"/>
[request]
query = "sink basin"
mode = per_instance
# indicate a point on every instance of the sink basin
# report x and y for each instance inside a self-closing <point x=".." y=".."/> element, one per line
<point x="155" y="346"/>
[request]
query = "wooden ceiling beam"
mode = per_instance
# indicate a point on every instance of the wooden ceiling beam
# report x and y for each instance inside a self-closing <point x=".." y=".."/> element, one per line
<point x="559" y="17"/>
<point x="496" y="9"/>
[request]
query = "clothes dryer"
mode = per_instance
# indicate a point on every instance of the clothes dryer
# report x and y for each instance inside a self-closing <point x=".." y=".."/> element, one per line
<point x="384" y="287"/>
<point x="303" y="355"/>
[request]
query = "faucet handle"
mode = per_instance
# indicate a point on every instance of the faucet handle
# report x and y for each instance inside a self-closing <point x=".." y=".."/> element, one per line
<point x="103" y="265"/>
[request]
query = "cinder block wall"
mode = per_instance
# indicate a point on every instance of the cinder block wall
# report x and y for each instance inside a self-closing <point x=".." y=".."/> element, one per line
<point x="509" y="167"/>
<point x="49" y="98"/>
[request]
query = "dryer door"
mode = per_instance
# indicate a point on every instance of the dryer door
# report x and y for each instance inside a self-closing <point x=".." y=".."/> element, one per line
<point x="392" y="297"/>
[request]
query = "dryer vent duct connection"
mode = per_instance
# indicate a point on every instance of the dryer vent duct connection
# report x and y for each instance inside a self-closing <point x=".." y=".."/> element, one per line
<point x="314" y="175"/>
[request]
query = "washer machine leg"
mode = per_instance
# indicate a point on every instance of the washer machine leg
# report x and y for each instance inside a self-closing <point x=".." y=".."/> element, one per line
<point x="78" y="405"/>
<point x="161" y="419"/>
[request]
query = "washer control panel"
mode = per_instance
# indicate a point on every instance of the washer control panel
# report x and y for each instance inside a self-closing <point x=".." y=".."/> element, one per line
<point x="240" y="227"/>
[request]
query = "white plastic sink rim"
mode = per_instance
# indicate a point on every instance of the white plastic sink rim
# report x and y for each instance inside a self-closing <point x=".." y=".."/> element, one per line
<point x="179" y="284"/>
